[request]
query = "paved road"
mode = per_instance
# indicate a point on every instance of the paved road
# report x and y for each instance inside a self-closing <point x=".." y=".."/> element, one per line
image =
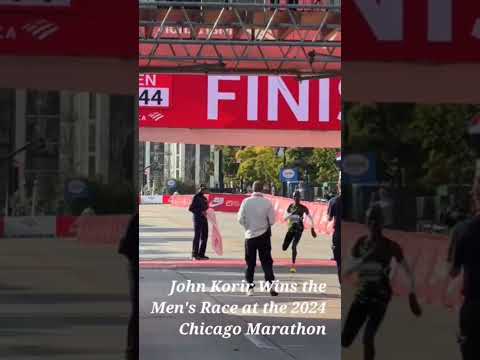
<point x="61" y="300"/>
<point x="160" y="337"/>
<point x="166" y="232"/>
<point x="403" y="336"/>
<point x="166" y="236"/>
<point x="165" y="247"/>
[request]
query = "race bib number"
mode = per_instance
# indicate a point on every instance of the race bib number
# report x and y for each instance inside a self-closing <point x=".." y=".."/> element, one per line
<point x="154" y="97"/>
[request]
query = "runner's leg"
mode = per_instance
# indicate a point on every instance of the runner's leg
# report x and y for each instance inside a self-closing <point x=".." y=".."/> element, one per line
<point x="296" y="240"/>
<point x="355" y="319"/>
<point x="376" y="314"/>
<point x="288" y="239"/>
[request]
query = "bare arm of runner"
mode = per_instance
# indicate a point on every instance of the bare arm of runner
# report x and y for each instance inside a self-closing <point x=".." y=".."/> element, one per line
<point x="409" y="272"/>
<point x="354" y="263"/>
<point x="287" y="215"/>
<point x="312" y="230"/>
<point x="330" y="210"/>
<point x="458" y="255"/>
<point x="412" y="297"/>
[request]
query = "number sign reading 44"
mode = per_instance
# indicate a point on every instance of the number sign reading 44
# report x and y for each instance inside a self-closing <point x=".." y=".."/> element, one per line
<point x="154" y="97"/>
<point x="154" y="90"/>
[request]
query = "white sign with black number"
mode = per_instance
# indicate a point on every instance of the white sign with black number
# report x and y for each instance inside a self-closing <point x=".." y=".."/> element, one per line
<point x="46" y="3"/>
<point x="154" y="97"/>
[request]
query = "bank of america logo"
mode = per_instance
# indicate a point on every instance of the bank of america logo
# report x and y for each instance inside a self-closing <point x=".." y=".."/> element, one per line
<point x="156" y="116"/>
<point x="41" y="29"/>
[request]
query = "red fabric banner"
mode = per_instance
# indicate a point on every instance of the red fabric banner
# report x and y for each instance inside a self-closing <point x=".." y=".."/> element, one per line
<point x="85" y="28"/>
<point x="66" y="226"/>
<point x="426" y="254"/>
<point x="239" y="102"/>
<point x="106" y="229"/>
<point x="440" y="31"/>
<point x="232" y="202"/>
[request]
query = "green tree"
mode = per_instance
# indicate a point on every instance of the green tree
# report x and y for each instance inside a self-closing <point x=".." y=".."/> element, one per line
<point x="429" y="143"/>
<point x="323" y="161"/>
<point x="318" y="163"/>
<point x="259" y="163"/>
<point x="441" y="131"/>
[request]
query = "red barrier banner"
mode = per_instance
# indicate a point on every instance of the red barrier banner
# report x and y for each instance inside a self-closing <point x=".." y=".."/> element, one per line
<point x="181" y="200"/>
<point x="426" y="254"/>
<point x="103" y="229"/>
<point x="66" y="226"/>
<point x="232" y="202"/>
<point x="219" y="202"/>
<point x="239" y="102"/>
<point x="439" y="31"/>
<point x="226" y="202"/>
<point x="84" y="28"/>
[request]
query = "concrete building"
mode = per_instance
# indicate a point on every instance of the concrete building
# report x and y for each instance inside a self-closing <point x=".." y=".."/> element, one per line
<point x="192" y="164"/>
<point x="86" y="135"/>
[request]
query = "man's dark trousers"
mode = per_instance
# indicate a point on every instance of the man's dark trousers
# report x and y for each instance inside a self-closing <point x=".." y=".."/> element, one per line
<point x="262" y="244"/>
<point x="337" y="253"/>
<point x="200" y="238"/>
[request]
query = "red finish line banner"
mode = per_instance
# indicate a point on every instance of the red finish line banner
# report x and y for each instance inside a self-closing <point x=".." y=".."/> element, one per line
<point x="239" y="102"/>
<point x="84" y="28"/>
<point x="411" y="30"/>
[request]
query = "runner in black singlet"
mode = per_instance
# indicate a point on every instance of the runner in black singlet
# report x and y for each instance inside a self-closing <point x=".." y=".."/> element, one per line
<point x="371" y="258"/>
<point x="295" y="215"/>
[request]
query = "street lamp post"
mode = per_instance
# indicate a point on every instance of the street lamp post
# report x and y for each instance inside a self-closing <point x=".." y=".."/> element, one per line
<point x="6" y="161"/>
<point x="283" y="152"/>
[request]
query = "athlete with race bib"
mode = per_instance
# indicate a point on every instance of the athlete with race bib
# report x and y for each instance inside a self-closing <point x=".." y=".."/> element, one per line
<point x="296" y="214"/>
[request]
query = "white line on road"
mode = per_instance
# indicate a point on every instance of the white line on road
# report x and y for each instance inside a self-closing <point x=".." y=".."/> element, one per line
<point x="261" y="342"/>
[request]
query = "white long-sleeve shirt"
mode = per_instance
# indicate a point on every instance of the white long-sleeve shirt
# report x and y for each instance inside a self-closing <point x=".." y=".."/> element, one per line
<point x="256" y="214"/>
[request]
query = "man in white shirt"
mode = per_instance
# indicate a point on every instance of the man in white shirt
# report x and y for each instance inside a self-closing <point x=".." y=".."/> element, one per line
<point x="257" y="215"/>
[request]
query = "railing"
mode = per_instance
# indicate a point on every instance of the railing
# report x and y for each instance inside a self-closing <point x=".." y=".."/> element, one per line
<point x="259" y="4"/>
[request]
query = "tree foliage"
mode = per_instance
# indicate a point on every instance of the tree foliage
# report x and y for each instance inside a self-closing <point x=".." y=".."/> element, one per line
<point x="259" y="163"/>
<point x="429" y="143"/>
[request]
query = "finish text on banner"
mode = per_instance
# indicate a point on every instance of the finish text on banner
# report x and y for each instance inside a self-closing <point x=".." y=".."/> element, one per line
<point x="239" y="102"/>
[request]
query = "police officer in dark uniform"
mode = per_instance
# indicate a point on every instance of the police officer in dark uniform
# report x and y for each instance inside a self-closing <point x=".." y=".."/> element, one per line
<point x="465" y="257"/>
<point x="129" y="248"/>
<point x="335" y="213"/>
<point x="198" y="207"/>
